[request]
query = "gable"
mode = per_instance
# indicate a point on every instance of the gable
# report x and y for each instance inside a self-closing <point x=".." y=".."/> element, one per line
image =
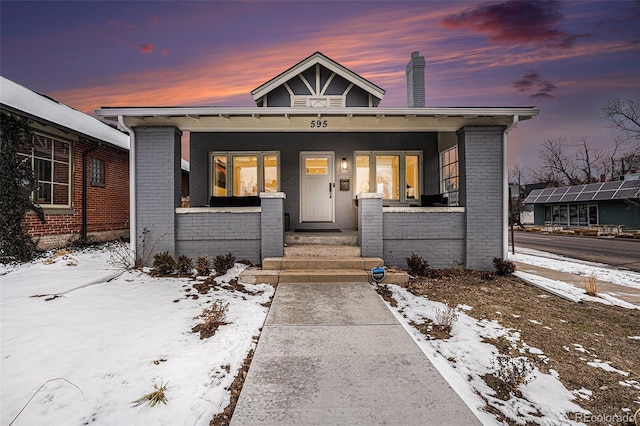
<point x="318" y="81"/>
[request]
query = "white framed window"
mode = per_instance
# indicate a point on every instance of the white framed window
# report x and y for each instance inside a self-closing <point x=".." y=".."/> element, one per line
<point x="51" y="161"/>
<point x="96" y="171"/>
<point x="396" y="174"/>
<point x="243" y="174"/>
<point x="449" y="175"/>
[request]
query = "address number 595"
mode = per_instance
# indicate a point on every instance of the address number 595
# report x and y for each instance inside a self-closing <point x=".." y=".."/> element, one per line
<point x="318" y="123"/>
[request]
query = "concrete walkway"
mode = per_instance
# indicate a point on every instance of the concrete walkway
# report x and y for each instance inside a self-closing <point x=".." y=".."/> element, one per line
<point x="332" y="353"/>
<point x="628" y="294"/>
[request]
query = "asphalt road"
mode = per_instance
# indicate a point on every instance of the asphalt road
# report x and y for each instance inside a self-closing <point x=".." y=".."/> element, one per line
<point x="619" y="252"/>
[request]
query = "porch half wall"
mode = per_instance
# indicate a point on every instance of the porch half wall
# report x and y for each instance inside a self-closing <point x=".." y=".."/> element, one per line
<point x="435" y="233"/>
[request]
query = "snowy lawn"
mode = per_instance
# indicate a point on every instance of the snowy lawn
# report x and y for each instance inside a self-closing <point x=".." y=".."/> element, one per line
<point x="468" y="358"/>
<point x="109" y="344"/>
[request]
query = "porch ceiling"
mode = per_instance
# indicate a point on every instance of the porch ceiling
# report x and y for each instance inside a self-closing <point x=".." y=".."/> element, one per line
<point x="254" y="119"/>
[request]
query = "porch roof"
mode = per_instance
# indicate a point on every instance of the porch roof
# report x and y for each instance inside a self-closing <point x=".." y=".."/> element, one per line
<point x="289" y="119"/>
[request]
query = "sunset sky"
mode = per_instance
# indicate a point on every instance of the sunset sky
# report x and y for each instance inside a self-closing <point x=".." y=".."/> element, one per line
<point x="565" y="57"/>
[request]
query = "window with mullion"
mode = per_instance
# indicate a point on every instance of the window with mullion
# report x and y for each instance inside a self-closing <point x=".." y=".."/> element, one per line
<point x="51" y="163"/>
<point x="243" y="174"/>
<point x="395" y="174"/>
<point x="449" y="175"/>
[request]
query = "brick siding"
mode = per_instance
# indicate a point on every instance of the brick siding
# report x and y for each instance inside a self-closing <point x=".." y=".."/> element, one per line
<point x="107" y="207"/>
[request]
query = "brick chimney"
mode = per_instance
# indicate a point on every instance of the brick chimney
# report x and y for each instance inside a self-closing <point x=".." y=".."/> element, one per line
<point x="415" y="81"/>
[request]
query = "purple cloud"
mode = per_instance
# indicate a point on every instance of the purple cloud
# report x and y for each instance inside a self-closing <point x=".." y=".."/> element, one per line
<point x="516" y="21"/>
<point x="532" y="82"/>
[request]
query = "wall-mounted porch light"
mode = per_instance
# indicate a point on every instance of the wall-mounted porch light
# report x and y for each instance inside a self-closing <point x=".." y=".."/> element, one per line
<point x="344" y="165"/>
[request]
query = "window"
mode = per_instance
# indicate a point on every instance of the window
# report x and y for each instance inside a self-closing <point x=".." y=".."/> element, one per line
<point x="243" y="174"/>
<point x="51" y="163"/>
<point x="96" y="171"/>
<point x="395" y="174"/>
<point x="571" y="214"/>
<point x="449" y="176"/>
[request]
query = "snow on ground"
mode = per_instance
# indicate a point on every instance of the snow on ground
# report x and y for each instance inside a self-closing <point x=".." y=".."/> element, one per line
<point x="600" y="271"/>
<point x="114" y="341"/>
<point x="465" y="357"/>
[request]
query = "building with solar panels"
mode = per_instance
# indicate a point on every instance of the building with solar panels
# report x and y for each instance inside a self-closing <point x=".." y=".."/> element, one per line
<point x="603" y="203"/>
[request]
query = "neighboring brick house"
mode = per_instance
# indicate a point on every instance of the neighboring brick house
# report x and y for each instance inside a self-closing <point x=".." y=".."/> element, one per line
<point x="63" y="137"/>
<point x="318" y="153"/>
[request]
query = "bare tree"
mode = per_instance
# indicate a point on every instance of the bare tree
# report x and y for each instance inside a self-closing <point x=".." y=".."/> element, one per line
<point x="588" y="159"/>
<point x="557" y="163"/>
<point x="623" y="115"/>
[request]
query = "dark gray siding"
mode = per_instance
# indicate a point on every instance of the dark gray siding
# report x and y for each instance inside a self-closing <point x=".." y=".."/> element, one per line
<point x="290" y="144"/>
<point x="357" y="98"/>
<point x="279" y="97"/>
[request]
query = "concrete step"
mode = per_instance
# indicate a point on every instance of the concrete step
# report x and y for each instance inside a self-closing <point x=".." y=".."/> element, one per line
<point x="320" y="238"/>
<point x="255" y="275"/>
<point x="321" y="250"/>
<point x="320" y="263"/>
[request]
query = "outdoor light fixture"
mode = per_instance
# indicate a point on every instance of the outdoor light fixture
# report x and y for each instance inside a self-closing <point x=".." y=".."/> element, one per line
<point x="345" y="165"/>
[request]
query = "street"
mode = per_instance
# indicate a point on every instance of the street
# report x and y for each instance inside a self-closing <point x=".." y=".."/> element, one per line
<point x="619" y="252"/>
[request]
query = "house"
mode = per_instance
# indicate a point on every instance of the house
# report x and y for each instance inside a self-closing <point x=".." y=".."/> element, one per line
<point x="602" y="203"/>
<point x="82" y="167"/>
<point x="317" y="152"/>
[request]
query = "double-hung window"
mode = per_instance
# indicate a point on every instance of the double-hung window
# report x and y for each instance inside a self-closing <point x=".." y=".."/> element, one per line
<point x="51" y="162"/>
<point x="243" y="174"/>
<point x="396" y="175"/>
<point x="449" y="175"/>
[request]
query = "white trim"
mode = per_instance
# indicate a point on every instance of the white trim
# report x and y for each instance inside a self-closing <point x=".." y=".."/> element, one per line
<point x="332" y="176"/>
<point x="315" y="59"/>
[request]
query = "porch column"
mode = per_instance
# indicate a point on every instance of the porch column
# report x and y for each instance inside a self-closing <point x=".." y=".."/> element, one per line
<point x="370" y="224"/>
<point x="158" y="189"/>
<point x="272" y="224"/>
<point x="482" y="193"/>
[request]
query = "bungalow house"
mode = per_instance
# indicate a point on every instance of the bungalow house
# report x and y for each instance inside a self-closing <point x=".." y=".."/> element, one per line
<point x="82" y="169"/>
<point x="317" y="153"/>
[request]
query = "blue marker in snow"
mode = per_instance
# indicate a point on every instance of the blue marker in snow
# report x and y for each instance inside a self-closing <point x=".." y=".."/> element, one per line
<point x="377" y="273"/>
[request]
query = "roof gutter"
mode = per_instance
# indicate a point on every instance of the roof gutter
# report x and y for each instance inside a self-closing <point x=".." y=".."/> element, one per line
<point x="132" y="188"/>
<point x="505" y="187"/>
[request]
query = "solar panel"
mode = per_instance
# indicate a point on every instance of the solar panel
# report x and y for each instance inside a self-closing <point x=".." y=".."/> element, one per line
<point x="618" y="190"/>
<point x="585" y="196"/>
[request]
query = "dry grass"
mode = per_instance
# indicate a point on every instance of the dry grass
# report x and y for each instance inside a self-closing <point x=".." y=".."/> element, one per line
<point x="568" y="333"/>
<point x="153" y="398"/>
<point x="590" y="285"/>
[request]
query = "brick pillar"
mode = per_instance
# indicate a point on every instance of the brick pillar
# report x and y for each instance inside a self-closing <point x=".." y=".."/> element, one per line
<point x="272" y="224"/>
<point x="370" y="224"/>
<point x="481" y="165"/>
<point x="158" y="188"/>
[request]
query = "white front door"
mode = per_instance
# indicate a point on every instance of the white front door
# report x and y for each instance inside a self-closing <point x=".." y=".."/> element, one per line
<point x="317" y="192"/>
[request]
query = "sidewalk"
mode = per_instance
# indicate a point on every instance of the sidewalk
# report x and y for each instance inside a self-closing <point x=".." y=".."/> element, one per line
<point x="332" y="353"/>
<point x="628" y="294"/>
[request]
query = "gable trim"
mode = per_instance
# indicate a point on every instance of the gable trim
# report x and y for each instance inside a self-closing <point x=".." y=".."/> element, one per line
<point x="317" y="59"/>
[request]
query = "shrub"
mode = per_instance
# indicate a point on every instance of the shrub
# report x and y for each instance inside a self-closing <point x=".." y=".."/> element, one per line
<point x="163" y="264"/>
<point x="185" y="265"/>
<point x="213" y="317"/>
<point x="203" y="266"/>
<point x="18" y="182"/>
<point x="503" y="267"/>
<point x="417" y="266"/>
<point x="514" y="372"/>
<point x="590" y="284"/>
<point x="446" y="317"/>
<point x="223" y="263"/>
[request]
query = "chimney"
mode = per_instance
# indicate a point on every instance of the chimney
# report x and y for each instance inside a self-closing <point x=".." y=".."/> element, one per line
<point x="415" y="80"/>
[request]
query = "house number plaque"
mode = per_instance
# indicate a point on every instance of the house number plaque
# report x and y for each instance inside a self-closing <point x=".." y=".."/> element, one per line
<point x="318" y="124"/>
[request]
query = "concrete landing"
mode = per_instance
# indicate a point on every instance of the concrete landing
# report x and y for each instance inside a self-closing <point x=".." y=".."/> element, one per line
<point x="334" y="354"/>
